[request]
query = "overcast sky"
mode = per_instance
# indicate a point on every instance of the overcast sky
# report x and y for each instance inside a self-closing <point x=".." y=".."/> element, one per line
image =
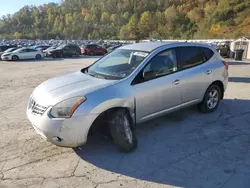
<point x="12" y="6"/>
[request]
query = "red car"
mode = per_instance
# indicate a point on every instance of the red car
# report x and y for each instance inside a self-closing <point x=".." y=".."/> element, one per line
<point x="93" y="49"/>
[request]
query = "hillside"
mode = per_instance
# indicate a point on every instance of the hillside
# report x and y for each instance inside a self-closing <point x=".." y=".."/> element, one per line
<point x="130" y="19"/>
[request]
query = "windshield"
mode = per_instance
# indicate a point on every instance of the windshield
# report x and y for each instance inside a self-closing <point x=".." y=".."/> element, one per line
<point x="51" y="48"/>
<point x="118" y="64"/>
<point x="10" y="50"/>
<point x="61" y="46"/>
<point x="18" y="50"/>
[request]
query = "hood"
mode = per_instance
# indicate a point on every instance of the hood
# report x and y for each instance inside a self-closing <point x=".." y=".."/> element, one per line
<point x="54" y="50"/>
<point x="4" y="53"/>
<point x="49" y="49"/>
<point x="66" y="86"/>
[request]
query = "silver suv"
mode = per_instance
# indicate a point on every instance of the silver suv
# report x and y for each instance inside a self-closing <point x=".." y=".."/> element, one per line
<point x="131" y="85"/>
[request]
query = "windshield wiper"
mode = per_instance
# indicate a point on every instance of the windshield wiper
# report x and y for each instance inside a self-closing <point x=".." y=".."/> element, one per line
<point x="100" y="76"/>
<point x="96" y="75"/>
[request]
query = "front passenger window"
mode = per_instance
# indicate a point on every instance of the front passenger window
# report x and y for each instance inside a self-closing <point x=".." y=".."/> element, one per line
<point x="162" y="64"/>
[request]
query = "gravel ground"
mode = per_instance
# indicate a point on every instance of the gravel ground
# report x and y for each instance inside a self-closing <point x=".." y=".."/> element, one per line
<point x="183" y="149"/>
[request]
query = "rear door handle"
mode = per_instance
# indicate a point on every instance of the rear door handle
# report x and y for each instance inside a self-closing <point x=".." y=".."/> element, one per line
<point x="209" y="72"/>
<point x="176" y="82"/>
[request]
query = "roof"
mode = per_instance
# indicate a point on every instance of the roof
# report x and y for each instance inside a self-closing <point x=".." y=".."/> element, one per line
<point x="242" y="38"/>
<point x="146" y="47"/>
<point x="151" y="46"/>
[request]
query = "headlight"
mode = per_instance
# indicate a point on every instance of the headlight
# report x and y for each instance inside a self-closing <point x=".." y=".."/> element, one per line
<point x="6" y="55"/>
<point x="65" y="109"/>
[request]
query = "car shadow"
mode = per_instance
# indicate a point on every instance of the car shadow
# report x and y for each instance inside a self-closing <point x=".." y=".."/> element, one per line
<point x="238" y="63"/>
<point x="170" y="148"/>
<point x="239" y="79"/>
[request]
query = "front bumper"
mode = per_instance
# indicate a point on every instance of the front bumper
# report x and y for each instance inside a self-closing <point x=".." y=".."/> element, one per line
<point x="48" y="55"/>
<point x="72" y="132"/>
<point x="5" y="58"/>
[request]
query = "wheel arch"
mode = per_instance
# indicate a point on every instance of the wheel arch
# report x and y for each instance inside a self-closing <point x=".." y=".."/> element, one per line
<point x="221" y="86"/>
<point x="15" y="55"/>
<point x="102" y="118"/>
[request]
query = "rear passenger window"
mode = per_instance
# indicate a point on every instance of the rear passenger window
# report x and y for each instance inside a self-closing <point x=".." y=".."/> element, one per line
<point x="207" y="53"/>
<point x="189" y="57"/>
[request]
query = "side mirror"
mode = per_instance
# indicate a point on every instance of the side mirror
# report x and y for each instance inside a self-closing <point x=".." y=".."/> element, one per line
<point x="148" y="75"/>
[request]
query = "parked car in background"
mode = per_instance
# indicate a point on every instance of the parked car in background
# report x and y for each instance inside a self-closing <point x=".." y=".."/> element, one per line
<point x="42" y="47"/>
<point x="64" y="51"/>
<point x="49" y="49"/>
<point x="112" y="48"/>
<point x="106" y="45"/>
<point x="130" y="85"/>
<point x="6" y="47"/>
<point x="22" y="53"/>
<point x="8" y="50"/>
<point x="93" y="49"/>
<point x="224" y="50"/>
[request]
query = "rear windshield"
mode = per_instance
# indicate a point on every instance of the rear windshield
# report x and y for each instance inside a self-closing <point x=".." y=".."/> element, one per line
<point x="207" y="53"/>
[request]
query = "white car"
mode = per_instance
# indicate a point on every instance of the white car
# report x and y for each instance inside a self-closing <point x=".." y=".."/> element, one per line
<point x="23" y="53"/>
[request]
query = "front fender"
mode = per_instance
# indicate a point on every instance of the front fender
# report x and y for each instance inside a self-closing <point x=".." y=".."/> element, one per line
<point x="116" y="103"/>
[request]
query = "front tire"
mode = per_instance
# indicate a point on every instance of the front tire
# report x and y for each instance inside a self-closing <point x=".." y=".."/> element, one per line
<point x="123" y="135"/>
<point x="38" y="56"/>
<point x="15" y="58"/>
<point x="211" y="99"/>
<point x="77" y="54"/>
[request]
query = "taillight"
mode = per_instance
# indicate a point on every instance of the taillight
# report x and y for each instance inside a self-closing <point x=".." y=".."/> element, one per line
<point x="225" y="64"/>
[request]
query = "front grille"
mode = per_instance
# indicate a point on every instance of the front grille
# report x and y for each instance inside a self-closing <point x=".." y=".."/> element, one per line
<point x="36" y="108"/>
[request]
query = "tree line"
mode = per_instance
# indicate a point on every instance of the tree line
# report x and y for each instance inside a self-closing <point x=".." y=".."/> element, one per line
<point x="130" y="20"/>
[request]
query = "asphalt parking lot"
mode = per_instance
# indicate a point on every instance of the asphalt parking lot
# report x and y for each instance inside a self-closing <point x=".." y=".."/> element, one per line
<point x="183" y="149"/>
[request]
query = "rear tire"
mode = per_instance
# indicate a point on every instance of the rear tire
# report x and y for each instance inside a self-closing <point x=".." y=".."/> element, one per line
<point x="91" y="53"/>
<point x="211" y="99"/>
<point x="15" y="58"/>
<point x="38" y="56"/>
<point x="123" y="135"/>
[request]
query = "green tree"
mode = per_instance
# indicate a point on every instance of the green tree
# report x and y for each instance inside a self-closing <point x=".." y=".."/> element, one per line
<point x="17" y="35"/>
<point x="129" y="19"/>
<point x="105" y="17"/>
<point x="146" y="24"/>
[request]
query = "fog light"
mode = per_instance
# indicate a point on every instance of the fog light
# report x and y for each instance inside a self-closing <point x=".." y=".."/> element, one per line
<point x="57" y="139"/>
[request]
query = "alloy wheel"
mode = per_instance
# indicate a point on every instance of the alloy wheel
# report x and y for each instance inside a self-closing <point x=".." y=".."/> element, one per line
<point x="213" y="98"/>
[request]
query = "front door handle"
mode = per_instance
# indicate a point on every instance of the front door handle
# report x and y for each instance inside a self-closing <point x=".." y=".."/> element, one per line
<point x="176" y="82"/>
<point x="209" y="72"/>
